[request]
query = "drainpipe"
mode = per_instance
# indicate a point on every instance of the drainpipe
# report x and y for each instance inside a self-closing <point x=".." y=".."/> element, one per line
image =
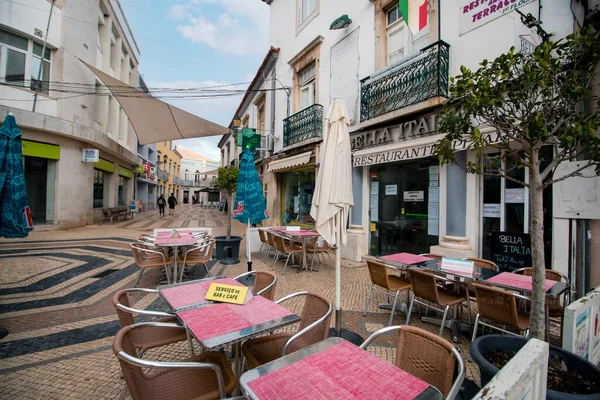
<point x="42" y="58"/>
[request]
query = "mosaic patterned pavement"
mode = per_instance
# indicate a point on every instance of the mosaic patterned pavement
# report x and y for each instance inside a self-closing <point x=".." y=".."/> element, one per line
<point x="55" y="292"/>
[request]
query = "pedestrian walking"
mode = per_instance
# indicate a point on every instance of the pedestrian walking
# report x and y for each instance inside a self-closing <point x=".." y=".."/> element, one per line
<point x="172" y="201"/>
<point x="161" y="203"/>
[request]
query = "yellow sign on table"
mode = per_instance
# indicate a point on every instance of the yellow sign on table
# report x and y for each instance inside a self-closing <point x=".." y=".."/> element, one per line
<point x="228" y="293"/>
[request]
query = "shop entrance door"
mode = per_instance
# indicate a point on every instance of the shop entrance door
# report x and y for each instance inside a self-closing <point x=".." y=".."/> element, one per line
<point x="399" y="208"/>
<point x="36" y="178"/>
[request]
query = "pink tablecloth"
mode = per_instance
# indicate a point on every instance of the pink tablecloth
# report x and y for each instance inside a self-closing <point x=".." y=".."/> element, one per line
<point x="406" y="258"/>
<point x="222" y="318"/>
<point x="191" y="293"/>
<point x="183" y="240"/>
<point x="517" y="281"/>
<point x="341" y="372"/>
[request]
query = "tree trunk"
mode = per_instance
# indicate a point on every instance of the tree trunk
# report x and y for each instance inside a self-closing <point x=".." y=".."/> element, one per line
<point x="536" y="230"/>
<point x="229" y="205"/>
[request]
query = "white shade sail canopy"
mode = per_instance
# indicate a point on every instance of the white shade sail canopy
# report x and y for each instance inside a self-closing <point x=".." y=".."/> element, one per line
<point x="154" y="120"/>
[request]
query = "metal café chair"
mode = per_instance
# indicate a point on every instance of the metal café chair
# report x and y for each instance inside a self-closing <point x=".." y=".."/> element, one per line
<point x="264" y="243"/>
<point x="205" y="376"/>
<point x="148" y="256"/>
<point x="425" y="287"/>
<point x="264" y="283"/>
<point x="148" y="338"/>
<point x="427" y="356"/>
<point x="283" y="246"/>
<point x="314" y="327"/>
<point x="500" y="306"/>
<point x="318" y="246"/>
<point x="380" y="278"/>
<point x="197" y="254"/>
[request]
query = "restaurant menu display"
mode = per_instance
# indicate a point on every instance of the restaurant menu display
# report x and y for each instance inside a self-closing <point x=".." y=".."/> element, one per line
<point x="511" y="251"/>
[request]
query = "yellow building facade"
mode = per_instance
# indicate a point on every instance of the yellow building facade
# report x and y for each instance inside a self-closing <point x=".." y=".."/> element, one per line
<point x="168" y="169"/>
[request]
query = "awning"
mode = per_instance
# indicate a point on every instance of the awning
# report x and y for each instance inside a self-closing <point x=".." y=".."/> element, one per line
<point x="289" y="162"/>
<point x="154" y="120"/>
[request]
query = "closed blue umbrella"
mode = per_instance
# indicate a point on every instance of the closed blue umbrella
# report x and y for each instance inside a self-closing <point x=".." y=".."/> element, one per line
<point x="15" y="217"/>
<point x="249" y="206"/>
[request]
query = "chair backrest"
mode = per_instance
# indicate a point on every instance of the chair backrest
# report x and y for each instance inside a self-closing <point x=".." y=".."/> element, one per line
<point x="427" y="356"/>
<point x="279" y="243"/>
<point x="497" y="305"/>
<point x="378" y="273"/>
<point x="424" y="285"/>
<point x="550" y="274"/>
<point x="134" y="376"/>
<point x="263" y="236"/>
<point x="481" y="263"/>
<point x="202" y="253"/>
<point x="271" y="238"/>
<point x="262" y="280"/>
<point x="121" y="297"/>
<point x="315" y="307"/>
<point x="146" y="256"/>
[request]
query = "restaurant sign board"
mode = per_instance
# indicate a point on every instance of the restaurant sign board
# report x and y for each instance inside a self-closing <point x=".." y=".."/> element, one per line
<point x="395" y="153"/>
<point x="475" y="13"/>
<point x="228" y="293"/>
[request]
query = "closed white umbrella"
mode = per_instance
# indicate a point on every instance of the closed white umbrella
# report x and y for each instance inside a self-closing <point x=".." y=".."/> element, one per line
<point x="333" y="190"/>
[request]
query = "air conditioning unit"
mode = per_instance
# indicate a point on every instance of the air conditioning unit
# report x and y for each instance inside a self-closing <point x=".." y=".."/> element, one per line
<point x="266" y="145"/>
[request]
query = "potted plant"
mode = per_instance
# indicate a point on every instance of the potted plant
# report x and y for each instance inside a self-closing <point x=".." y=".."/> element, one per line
<point x="228" y="247"/>
<point x="570" y="377"/>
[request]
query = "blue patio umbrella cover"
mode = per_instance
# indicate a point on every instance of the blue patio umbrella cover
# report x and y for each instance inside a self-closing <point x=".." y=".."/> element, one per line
<point x="249" y="205"/>
<point x="15" y="217"/>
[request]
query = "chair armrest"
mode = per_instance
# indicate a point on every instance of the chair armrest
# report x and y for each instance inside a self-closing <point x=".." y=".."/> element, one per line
<point x="307" y="329"/>
<point x="269" y="286"/>
<point x="379" y="332"/>
<point x="461" y="374"/>
<point x="240" y="276"/>
<point x="289" y="296"/>
<point x="138" y="311"/>
<point x="520" y="296"/>
<point x="151" y="251"/>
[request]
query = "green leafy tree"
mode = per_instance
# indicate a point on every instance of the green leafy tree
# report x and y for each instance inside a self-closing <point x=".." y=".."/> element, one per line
<point x="227" y="178"/>
<point x="528" y="102"/>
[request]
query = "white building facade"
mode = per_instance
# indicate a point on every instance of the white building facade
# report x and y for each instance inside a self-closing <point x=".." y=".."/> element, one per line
<point x="198" y="174"/>
<point x="73" y="110"/>
<point x="393" y="83"/>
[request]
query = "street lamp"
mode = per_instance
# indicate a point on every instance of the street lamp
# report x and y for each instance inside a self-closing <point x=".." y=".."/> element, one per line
<point x="237" y="122"/>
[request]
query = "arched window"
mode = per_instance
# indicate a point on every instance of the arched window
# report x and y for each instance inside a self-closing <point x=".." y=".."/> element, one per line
<point x="186" y="175"/>
<point x="197" y="176"/>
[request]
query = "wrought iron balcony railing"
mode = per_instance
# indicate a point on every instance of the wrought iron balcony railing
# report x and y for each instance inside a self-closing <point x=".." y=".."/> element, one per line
<point x="416" y="79"/>
<point x="304" y="125"/>
<point x="162" y="175"/>
<point x="177" y="180"/>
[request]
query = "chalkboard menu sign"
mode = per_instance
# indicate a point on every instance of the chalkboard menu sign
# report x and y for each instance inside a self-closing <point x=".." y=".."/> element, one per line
<point x="221" y="205"/>
<point x="511" y="251"/>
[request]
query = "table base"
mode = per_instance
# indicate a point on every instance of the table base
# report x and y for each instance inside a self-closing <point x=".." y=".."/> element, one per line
<point x="452" y="324"/>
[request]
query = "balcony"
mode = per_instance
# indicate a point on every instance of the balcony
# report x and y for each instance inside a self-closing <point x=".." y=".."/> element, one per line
<point x="178" y="181"/>
<point x="304" y="125"/>
<point x="416" y="79"/>
<point x="162" y="175"/>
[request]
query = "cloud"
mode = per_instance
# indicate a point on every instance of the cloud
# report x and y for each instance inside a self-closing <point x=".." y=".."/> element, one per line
<point x="238" y="27"/>
<point x="219" y="110"/>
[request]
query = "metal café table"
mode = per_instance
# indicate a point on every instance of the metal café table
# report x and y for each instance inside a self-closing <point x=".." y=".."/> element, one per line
<point x="164" y="239"/>
<point x="302" y="236"/>
<point x="215" y="325"/>
<point x="333" y="369"/>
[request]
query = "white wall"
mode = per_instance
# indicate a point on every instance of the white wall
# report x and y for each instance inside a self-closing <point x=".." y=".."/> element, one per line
<point x="27" y="15"/>
<point x="283" y="35"/>
<point x="497" y="36"/>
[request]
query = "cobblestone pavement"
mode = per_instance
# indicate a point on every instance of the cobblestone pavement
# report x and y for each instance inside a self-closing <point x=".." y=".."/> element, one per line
<point x="55" y="292"/>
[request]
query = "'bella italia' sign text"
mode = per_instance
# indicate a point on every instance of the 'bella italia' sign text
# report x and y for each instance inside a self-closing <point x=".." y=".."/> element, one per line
<point x="396" y="133"/>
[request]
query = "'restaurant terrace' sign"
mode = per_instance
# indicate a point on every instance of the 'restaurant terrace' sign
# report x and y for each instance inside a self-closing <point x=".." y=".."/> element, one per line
<point x="474" y="13"/>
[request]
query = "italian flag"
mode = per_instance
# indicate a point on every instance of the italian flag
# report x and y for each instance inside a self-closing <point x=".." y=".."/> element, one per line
<point x="414" y="13"/>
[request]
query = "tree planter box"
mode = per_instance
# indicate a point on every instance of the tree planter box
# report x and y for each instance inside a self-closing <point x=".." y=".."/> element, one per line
<point x="228" y="250"/>
<point x="483" y="344"/>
